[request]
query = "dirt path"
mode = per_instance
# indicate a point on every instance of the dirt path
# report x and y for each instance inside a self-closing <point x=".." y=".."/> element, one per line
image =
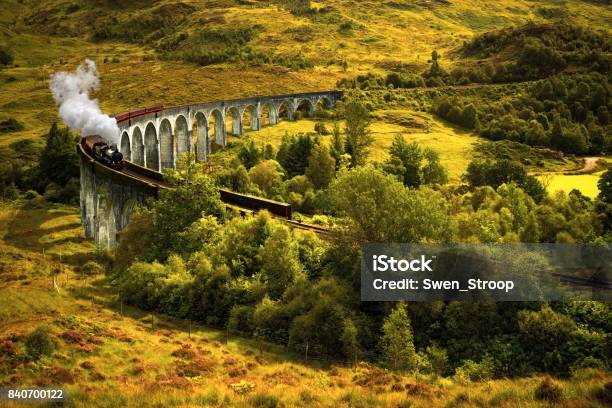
<point x="589" y="164"/>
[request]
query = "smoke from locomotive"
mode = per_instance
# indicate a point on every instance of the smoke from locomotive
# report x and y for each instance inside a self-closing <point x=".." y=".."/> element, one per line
<point x="78" y="111"/>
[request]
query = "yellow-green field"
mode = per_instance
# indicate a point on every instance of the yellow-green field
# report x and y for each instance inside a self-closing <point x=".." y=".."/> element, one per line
<point x="454" y="145"/>
<point x="585" y="183"/>
<point x="110" y="359"/>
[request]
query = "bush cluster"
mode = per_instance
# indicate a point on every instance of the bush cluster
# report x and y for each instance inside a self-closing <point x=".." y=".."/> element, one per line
<point x="567" y="113"/>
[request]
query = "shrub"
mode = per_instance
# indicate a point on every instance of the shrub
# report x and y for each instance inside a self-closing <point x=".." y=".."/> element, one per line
<point x="321" y="129"/>
<point x="52" y="192"/>
<point x="72" y="8"/>
<point x="195" y="368"/>
<point x="73" y="336"/>
<point x="8" y="347"/>
<point x="266" y="401"/>
<point x="33" y="200"/>
<point x="353" y="399"/>
<point x="6" y="58"/>
<point x="420" y="390"/>
<point x="243" y="387"/>
<point x="308" y="397"/>
<point x="548" y="390"/>
<point x="9" y="192"/>
<point x="11" y="125"/>
<point x="346" y="27"/>
<point x="473" y="371"/>
<point x="39" y="343"/>
<point x="59" y="375"/>
<point x="92" y="268"/>
<point x="213" y="46"/>
<point x="604" y="393"/>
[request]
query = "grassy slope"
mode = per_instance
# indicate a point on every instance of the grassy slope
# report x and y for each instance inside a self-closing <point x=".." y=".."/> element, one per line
<point x="124" y="360"/>
<point x="384" y="36"/>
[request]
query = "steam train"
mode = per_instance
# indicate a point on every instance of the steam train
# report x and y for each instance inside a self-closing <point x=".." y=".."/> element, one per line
<point x="104" y="152"/>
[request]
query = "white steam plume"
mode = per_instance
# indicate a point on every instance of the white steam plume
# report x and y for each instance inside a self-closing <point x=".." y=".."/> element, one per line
<point x="79" y="112"/>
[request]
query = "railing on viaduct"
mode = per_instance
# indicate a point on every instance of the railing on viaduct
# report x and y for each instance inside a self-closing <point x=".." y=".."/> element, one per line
<point x="157" y="139"/>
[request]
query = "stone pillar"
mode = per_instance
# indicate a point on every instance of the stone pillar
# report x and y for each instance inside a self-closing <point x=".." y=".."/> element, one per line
<point x="255" y="120"/>
<point x="237" y="125"/>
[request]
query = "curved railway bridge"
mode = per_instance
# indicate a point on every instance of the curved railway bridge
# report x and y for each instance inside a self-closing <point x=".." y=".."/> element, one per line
<point x="156" y="138"/>
<point x="153" y="139"/>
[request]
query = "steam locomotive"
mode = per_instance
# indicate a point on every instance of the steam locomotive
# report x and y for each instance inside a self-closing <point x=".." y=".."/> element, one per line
<point x="104" y="152"/>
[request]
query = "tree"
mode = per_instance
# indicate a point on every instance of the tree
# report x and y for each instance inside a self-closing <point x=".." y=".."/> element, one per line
<point x="433" y="171"/>
<point x="545" y="91"/>
<point x="249" y="154"/>
<point x="535" y="135"/>
<point x="605" y="187"/>
<point x="495" y="173"/>
<point x="556" y="136"/>
<point x="350" y="342"/>
<point x="438" y="359"/>
<point x="58" y="161"/>
<point x="6" y="58"/>
<point x="39" y="343"/>
<point x="194" y="195"/>
<point x="136" y="240"/>
<point x="358" y="136"/>
<point x="269" y="152"/>
<point x="546" y="336"/>
<point x="267" y="175"/>
<point x="603" y="116"/>
<point x="337" y="146"/>
<point x="280" y="262"/>
<point x="405" y="157"/>
<point x="469" y="117"/>
<point x="238" y="179"/>
<point x="294" y="152"/>
<point x="321" y="167"/>
<point x="397" y="345"/>
<point x="379" y="208"/>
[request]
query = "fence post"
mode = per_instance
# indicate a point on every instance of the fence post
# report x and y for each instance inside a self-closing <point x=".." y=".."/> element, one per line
<point x="306" y="354"/>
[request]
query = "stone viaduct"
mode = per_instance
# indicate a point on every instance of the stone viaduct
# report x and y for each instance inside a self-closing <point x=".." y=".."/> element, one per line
<point x="157" y="140"/>
<point x="154" y="141"/>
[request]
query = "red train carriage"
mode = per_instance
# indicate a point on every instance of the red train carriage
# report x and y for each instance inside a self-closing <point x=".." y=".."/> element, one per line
<point x="123" y="116"/>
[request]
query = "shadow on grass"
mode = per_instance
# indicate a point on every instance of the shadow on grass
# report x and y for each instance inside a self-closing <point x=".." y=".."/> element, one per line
<point x="25" y="231"/>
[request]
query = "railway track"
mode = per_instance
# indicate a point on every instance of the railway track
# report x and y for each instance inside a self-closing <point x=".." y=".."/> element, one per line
<point x="587" y="282"/>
